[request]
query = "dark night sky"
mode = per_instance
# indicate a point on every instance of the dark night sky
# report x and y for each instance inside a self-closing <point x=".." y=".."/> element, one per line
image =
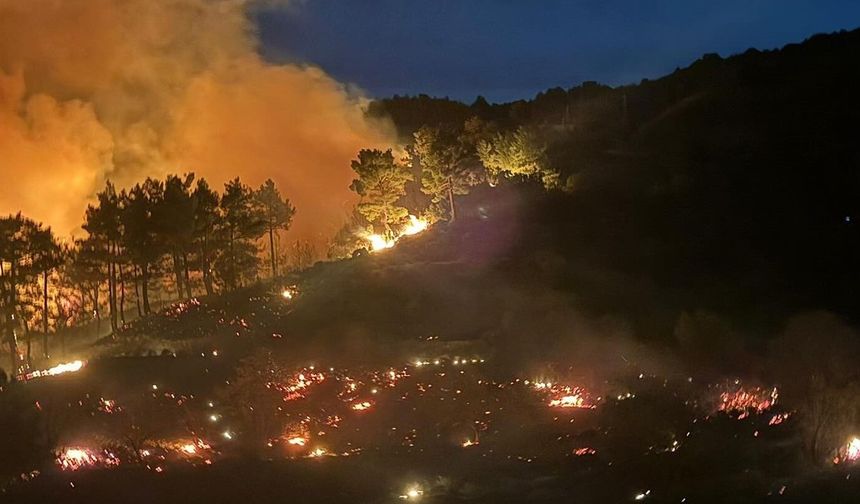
<point x="509" y="49"/>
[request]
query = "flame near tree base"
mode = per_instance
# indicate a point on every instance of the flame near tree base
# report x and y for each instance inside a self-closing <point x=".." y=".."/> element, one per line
<point x="379" y="242"/>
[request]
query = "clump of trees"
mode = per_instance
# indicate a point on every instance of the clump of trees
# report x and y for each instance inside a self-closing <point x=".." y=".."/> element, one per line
<point x="175" y="236"/>
<point x="449" y="164"/>
<point x="518" y="153"/>
<point x="443" y="161"/>
<point x="28" y="254"/>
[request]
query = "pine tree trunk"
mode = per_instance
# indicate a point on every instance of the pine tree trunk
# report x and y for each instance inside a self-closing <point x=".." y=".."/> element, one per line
<point x="10" y="321"/>
<point x="451" y="200"/>
<point x="178" y="274"/>
<point x="112" y="289"/>
<point x="96" y="309"/>
<point x="29" y="341"/>
<point x="207" y="281"/>
<point x="272" y="251"/>
<point x="121" y="296"/>
<point x="137" y="293"/>
<point x="145" y="288"/>
<point x="206" y="266"/>
<point x="45" y="352"/>
<point x="232" y="275"/>
<point x="389" y="234"/>
<point x="188" y="292"/>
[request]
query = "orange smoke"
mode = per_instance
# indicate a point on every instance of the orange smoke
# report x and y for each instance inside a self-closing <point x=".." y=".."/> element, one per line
<point x="124" y="89"/>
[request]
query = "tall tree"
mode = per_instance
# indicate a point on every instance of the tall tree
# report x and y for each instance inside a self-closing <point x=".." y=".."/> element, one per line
<point x="175" y="216"/>
<point x="449" y="164"/>
<point x="141" y="239"/>
<point x="206" y="221"/>
<point x="241" y="225"/>
<point x="277" y="214"/>
<point x="47" y="256"/>
<point x="70" y="296"/>
<point x="102" y="222"/>
<point x="85" y="270"/>
<point x="17" y="236"/>
<point x="381" y="183"/>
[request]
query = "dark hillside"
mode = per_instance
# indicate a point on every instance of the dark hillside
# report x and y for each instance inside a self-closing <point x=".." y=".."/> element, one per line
<point x="730" y="185"/>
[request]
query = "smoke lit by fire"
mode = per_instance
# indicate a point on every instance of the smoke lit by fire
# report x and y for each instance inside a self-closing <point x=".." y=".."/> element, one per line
<point x="145" y="88"/>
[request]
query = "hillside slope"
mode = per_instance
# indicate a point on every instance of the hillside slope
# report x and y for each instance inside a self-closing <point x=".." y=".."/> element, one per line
<point x="731" y="185"/>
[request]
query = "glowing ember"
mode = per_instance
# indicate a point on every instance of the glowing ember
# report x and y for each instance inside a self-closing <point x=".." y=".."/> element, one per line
<point x="73" y="459"/>
<point x="108" y="406"/>
<point x="317" y="452"/>
<point x="76" y="458"/>
<point x="412" y="493"/>
<point x="191" y="448"/>
<point x="297" y="441"/>
<point x="361" y="406"/>
<point x="296" y="387"/>
<point x="849" y="453"/>
<point x="742" y="401"/>
<point x="853" y="451"/>
<point x="579" y="452"/>
<point x="563" y="396"/>
<point x="568" y="401"/>
<point x="68" y="367"/>
<point x="778" y="418"/>
<point x="467" y="443"/>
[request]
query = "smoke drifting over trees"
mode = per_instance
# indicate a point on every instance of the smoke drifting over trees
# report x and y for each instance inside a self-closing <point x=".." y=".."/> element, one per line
<point x="106" y="89"/>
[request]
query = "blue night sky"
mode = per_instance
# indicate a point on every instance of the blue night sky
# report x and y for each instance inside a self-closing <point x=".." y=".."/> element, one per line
<point x="510" y="49"/>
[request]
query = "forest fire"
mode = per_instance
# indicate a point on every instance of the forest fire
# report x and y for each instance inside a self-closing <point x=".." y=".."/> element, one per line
<point x="379" y="242"/>
<point x="564" y="396"/>
<point x="570" y="401"/>
<point x="415" y="226"/>
<point x="68" y="367"/>
<point x="541" y="270"/>
<point x="849" y="453"/>
<point x="76" y="458"/>
<point x="289" y="292"/>
<point x="190" y="448"/>
<point x="72" y="459"/>
<point x="412" y="493"/>
<point x="743" y="401"/>
<point x="362" y="406"/>
<point x="317" y="452"/>
<point x="295" y="387"/>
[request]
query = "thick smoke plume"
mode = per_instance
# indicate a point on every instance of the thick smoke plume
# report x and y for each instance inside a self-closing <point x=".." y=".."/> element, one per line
<point x="123" y="89"/>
